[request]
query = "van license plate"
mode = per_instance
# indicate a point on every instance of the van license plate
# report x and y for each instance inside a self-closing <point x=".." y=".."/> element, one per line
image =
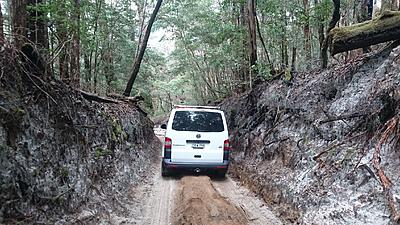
<point x="197" y="145"/>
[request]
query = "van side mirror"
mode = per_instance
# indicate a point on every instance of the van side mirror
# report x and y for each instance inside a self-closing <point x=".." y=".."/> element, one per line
<point x="164" y="126"/>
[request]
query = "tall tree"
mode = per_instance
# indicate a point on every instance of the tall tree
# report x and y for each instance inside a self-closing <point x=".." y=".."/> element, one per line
<point x="332" y="24"/>
<point x="1" y="28"/>
<point x="284" y="42"/>
<point x="364" y="14"/>
<point x="387" y="5"/>
<point x="251" y="7"/>
<point x="243" y="69"/>
<point x="142" y="7"/>
<point x="37" y="27"/>
<point x="62" y="35"/>
<point x="307" y="33"/>
<point x="320" y="24"/>
<point x="28" y="23"/>
<point x="270" y="64"/>
<point x="75" y="48"/>
<point x="19" y="20"/>
<point x="139" y="58"/>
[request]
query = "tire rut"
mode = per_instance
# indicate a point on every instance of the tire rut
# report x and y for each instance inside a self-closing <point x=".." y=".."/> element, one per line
<point x="255" y="209"/>
<point x="159" y="203"/>
<point x="198" y="203"/>
<point x="199" y="200"/>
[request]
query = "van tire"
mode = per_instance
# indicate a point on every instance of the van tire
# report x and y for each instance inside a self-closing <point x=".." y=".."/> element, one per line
<point x="220" y="174"/>
<point x="164" y="171"/>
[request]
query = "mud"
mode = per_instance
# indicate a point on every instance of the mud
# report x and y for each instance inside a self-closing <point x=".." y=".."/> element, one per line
<point x="199" y="203"/>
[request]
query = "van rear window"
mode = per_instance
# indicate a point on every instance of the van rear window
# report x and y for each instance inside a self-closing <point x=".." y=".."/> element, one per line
<point x="199" y="121"/>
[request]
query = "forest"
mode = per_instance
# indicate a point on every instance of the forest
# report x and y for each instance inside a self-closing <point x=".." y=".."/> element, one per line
<point x="202" y="51"/>
<point x="309" y="88"/>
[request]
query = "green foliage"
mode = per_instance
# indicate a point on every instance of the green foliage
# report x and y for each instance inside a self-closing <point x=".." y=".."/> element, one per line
<point x="321" y="12"/>
<point x="210" y="45"/>
<point x="101" y="152"/>
<point x="64" y="173"/>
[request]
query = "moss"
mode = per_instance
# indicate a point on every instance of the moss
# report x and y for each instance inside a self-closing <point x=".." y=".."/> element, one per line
<point x="99" y="152"/>
<point x="118" y="132"/>
<point x="288" y="75"/>
<point x="387" y="19"/>
<point x="64" y="173"/>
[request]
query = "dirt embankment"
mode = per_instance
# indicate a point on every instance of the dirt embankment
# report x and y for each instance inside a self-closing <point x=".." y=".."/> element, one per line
<point x="310" y="147"/>
<point x="63" y="158"/>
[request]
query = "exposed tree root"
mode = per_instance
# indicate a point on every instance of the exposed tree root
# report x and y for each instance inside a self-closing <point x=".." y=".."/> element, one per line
<point x="387" y="185"/>
<point x="316" y="157"/>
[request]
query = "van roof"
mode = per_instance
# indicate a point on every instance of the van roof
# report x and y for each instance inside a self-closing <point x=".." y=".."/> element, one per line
<point x="195" y="107"/>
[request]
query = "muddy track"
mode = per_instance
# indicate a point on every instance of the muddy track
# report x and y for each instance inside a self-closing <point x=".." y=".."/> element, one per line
<point x="199" y="203"/>
<point x="199" y="200"/>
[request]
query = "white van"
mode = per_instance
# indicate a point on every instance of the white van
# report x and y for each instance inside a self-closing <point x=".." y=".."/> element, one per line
<point x="196" y="139"/>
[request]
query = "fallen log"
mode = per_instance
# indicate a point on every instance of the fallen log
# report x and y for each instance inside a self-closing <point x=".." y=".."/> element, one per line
<point x="134" y="100"/>
<point x="96" y="98"/>
<point x="384" y="28"/>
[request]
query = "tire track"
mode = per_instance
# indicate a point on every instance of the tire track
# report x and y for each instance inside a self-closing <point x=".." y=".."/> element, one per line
<point x="159" y="203"/>
<point x="255" y="209"/>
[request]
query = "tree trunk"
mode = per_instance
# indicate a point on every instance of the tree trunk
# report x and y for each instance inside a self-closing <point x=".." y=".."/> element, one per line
<point x="75" y="48"/>
<point x="138" y="59"/>
<point x="251" y="7"/>
<point x="363" y="11"/>
<point x="320" y="23"/>
<point x="93" y="72"/>
<point x="109" y="67"/>
<point x="363" y="14"/>
<point x="263" y="44"/>
<point x="307" y="34"/>
<point x="95" y="66"/>
<point x="2" y="40"/>
<point x="63" y="64"/>
<point x="19" y="21"/>
<point x="243" y="71"/>
<point x="384" y="28"/>
<point x="284" y="44"/>
<point x="142" y="18"/>
<point x="386" y="5"/>
<point x="294" y="57"/>
<point x="332" y="24"/>
<point x="88" y="71"/>
<point x="284" y="54"/>
<point x="37" y="27"/>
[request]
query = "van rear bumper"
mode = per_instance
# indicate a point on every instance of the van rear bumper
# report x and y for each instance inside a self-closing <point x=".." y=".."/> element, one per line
<point x="167" y="163"/>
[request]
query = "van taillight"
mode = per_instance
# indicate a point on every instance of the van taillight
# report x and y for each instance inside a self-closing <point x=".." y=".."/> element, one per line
<point x="167" y="148"/>
<point x="226" y="149"/>
<point x="167" y="142"/>
<point x="226" y="145"/>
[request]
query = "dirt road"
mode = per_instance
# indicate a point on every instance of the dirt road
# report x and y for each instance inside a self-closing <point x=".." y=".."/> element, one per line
<point x="199" y="200"/>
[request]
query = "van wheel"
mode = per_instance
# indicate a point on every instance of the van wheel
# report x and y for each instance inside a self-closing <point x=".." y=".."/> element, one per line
<point x="164" y="171"/>
<point x="220" y="174"/>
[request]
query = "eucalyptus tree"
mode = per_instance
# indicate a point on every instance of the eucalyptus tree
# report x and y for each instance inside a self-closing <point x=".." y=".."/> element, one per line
<point x="143" y="46"/>
<point x="1" y="28"/>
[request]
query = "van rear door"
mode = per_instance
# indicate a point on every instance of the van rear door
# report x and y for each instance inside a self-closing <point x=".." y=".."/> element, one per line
<point x="198" y="136"/>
